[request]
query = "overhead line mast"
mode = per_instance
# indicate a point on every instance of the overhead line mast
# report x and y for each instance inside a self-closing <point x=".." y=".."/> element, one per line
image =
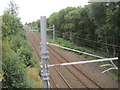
<point x="44" y="54"/>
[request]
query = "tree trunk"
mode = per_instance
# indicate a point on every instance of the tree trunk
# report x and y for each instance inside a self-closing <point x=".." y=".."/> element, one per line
<point x="106" y="45"/>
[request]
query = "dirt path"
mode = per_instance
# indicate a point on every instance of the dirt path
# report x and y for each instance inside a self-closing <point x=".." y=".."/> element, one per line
<point x="74" y="76"/>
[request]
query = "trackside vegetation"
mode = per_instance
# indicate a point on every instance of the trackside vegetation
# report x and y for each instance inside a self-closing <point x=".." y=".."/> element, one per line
<point x="17" y="59"/>
<point x="94" y="28"/>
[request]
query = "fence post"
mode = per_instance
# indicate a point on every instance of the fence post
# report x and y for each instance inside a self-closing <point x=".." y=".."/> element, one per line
<point x="44" y="54"/>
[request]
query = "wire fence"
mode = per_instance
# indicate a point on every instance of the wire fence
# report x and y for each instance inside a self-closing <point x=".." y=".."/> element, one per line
<point x="90" y="46"/>
<point x="107" y="49"/>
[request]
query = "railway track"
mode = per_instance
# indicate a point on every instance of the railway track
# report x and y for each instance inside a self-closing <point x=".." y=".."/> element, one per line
<point x="80" y="72"/>
<point x="35" y="44"/>
<point x="66" y="82"/>
<point x="56" y="86"/>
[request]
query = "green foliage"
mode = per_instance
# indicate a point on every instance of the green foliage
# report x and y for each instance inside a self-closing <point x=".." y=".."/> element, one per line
<point x="10" y="25"/>
<point x="25" y="54"/>
<point x="33" y="78"/>
<point x="34" y="25"/>
<point x="33" y="62"/>
<point x="65" y="43"/>
<point x="94" y="26"/>
<point x="14" y="70"/>
<point x="99" y="12"/>
<point x="16" y="42"/>
<point x="17" y="53"/>
<point x="71" y="45"/>
<point x="94" y="29"/>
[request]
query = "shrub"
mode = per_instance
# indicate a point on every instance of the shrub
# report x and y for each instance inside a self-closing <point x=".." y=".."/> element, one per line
<point x="25" y="53"/>
<point x="14" y="71"/>
<point x="16" y="42"/>
<point x="33" y="62"/>
<point x="17" y="54"/>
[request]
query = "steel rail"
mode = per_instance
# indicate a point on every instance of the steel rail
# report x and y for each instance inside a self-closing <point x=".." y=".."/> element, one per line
<point x="114" y="66"/>
<point x="68" y="69"/>
<point x="61" y="76"/>
<point x="53" y="81"/>
<point x="78" y="70"/>
<point x="33" y="44"/>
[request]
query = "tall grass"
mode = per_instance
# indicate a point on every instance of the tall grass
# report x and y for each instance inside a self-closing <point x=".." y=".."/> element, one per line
<point x="33" y="78"/>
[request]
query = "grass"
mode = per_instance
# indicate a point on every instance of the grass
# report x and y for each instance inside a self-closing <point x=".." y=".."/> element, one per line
<point x="68" y="44"/>
<point x="33" y="78"/>
<point x="32" y="74"/>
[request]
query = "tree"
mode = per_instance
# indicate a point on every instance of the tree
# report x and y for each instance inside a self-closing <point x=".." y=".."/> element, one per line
<point x="16" y="53"/>
<point x="98" y="12"/>
<point x="12" y="9"/>
<point x="54" y="20"/>
<point x="10" y="25"/>
<point x="94" y="26"/>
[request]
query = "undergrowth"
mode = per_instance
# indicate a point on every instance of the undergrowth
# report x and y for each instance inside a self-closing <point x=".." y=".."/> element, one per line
<point x="68" y="44"/>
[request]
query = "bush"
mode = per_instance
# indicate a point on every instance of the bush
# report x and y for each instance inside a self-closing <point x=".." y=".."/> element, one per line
<point x="33" y="62"/>
<point x="25" y="53"/>
<point x="17" y="54"/>
<point x="14" y="71"/>
<point x="16" y="42"/>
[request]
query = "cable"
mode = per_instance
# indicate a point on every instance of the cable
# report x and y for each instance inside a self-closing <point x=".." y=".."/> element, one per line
<point x="99" y="42"/>
<point x="107" y="44"/>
